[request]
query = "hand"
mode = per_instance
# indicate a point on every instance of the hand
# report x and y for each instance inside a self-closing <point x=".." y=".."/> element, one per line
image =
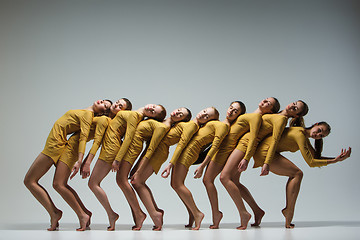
<point x="242" y="165"/>
<point x="75" y="169"/>
<point x="167" y="171"/>
<point x="115" y="166"/>
<point x="198" y="172"/>
<point x="85" y="170"/>
<point x="265" y="170"/>
<point x="132" y="178"/>
<point x="343" y="155"/>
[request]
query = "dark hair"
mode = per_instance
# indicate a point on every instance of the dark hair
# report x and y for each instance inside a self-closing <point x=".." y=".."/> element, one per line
<point x="128" y="104"/>
<point x="189" y="115"/>
<point x="319" y="142"/>
<point x="276" y="105"/>
<point x="299" y="120"/>
<point x="107" y="110"/>
<point x="160" y="117"/>
<point x="242" y="106"/>
<point x="216" y="113"/>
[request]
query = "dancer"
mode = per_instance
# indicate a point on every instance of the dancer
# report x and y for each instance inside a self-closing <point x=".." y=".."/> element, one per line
<point x="68" y="159"/>
<point x="147" y="131"/>
<point x="124" y="123"/>
<point x="213" y="132"/>
<point x="72" y="121"/>
<point x="181" y="133"/>
<point x="294" y="139"/>
<point x="271" y="124"/>
<point x="249" y="122"/>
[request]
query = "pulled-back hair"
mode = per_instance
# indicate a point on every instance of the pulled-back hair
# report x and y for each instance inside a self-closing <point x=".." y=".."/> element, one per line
<point x="242" y="106"/>
<point x="188" y="116"/>
<point x="319" y="142"/>
<point x="276" y="105"/>
<point x="160" y="117"/>
<point x="299" y="120"/>
<point x="128" y="104"/>
<point x="216" y="113"/>
<point x="106" y="112"/>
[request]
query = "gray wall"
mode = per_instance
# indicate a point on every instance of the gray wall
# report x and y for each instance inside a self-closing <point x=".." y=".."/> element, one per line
<point x="56" y="56"/>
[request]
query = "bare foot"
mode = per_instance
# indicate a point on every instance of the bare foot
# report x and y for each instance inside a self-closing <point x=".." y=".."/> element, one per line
<point x="198" y="220"/>
<point x="158" y="221"/>
<point x="112" y="221"/>
<point x="83" y="222"/>
<point x="258" y="217"/>
<point x="191" y="222"/>
<point x="244" y="221"/>
<point x="288" y="218"/>
<point x="89" y="221"/>
<point x="216" y="220"/>
<point x="54" y="221"/>
<point x="139" y="222"/>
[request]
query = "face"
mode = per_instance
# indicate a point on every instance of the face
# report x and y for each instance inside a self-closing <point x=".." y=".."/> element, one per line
<point x="266" y="105"/>
<point x="233" y="111"/>
<point x="205" y="115"/>
<point x="118" y="106"/>
<point x="100" y="106"/>
<point x="152" y="110"/>
<point x="319" y="131"/>
<point x="179" y="114"/>
<point x="293" y="109"/>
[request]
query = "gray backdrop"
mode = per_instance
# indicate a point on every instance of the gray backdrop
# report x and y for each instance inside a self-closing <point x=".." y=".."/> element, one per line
<point x="56" y="56"/>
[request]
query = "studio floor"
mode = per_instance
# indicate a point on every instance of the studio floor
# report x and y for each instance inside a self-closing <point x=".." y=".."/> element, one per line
<point x="269" y="230"/>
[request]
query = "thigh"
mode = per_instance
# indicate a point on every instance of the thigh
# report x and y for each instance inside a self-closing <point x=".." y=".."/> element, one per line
<point x="101" y="169"/>
<point x="231" y="166"/>
<point x="39" y="167"/>
<point x="62" y="173"/>
<point x="179" y="173"/>
<point x="283" y="166"/>
<point x="212" y="170"/>
<point x="124" y="170"/>
<point x="146" y="173"/>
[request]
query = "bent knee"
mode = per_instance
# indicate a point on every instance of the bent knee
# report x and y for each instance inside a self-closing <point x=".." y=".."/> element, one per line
<point x="299" y="174"/>
<point x="207" y="181"/>
<point x="58" y="186"/>
<point x="224" y="179"/>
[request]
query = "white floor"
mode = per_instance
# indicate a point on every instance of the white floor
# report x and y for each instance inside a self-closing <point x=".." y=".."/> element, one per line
<point x="328" y="230"/>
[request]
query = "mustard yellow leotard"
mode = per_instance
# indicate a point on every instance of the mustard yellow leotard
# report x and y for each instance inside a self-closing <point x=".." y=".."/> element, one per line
<point x="112" y="146"/>
<point x="181" y="133"/>
<point x="146" y="130"/>
<point x="243" y="124"/>
<point x="271" y="124"/>
<point x="71" y="121"/>
<point x="292" y="139"/>
<point x="97" y="130"/>
<point x="213" y="131"/>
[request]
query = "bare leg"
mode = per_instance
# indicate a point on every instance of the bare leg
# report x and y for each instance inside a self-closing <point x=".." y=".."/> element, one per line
<point x="212" y="171"/>
<point x="38" y="169"/>
<point x="284" y="167"/>
<point x="146" y="196"/>
<point x="99" y="172"/>
<point x="122" y="181"/>
<point x="177" y="183"/>
<point x="60" y="184"/>
<point x="246" y="195"/>
<point x="226" y="178"/>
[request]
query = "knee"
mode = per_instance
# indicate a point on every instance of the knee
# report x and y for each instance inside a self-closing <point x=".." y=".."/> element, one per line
<point x="91" y="184"/>
<point x="224" y="179"/>
<point x="207" y="182"/>
<point x="175" y="185"/>
<point x="136" y="182"/>
<point x="28" y="182"/>
<point x="299" y="174"/>
<point x="121" y="182"/>
<point x="58" y="186"/>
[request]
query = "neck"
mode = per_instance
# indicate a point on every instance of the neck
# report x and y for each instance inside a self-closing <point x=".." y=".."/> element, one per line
<point x="307" y="132"/>
<point x="168" y="121"/>
<point x="227" y="121"/>
<point x="258" y="110"/>
<point x="91" y="108"/>
<point x="285" y="113"/>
